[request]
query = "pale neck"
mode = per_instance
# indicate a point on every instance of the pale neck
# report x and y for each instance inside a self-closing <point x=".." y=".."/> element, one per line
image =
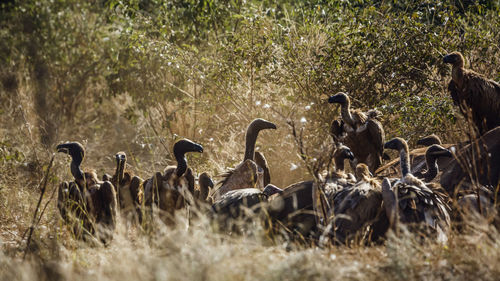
<point x="404" y="161"/>
<point x="346" y="113"/>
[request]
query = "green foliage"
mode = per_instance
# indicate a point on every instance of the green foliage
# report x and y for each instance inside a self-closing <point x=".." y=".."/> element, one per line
<point x="192" y="67"/>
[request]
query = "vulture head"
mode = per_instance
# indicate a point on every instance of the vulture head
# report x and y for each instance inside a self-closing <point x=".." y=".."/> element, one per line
<point x="120" y="157"/>
<point x="429" y="140"/>
<point x="396" y="144"/>
<point x="180" y="149"/>
<point x="363" y="172"/>
<point x="432" y="154"/>
<point x="340" y="98"/>
<point x="77" y="153"/>
<point x="341" y="153"/>
<point x="73" y="149"/>
<point x="251" y="136"/>
<point x="455" y="59"/>
<point x="435" y="151"/>
<point x="400" y="145"/>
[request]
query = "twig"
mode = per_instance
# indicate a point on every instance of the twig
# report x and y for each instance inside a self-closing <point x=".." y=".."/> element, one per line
<point x="34" y="222"/>
<point x="314" y="171"/>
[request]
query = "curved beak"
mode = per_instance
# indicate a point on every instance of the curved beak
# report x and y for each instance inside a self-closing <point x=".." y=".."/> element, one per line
<point x="63" y="147"/>
<point x="198" y="148"/>
<point x="350" y="155"/>
<point x="333" y="99"/>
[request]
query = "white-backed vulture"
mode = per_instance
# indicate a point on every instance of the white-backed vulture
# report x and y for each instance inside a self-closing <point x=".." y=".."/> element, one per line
<point x="87" y="205"/>
<point x="129" y="190"/>
<point x="361" y="132"/>
<point x="432" y="154"/>
<point x="417" y="159"/>
<point x="476" y="164"/>
<point x="477" y="96"/>
<point x="411" y="201"/>
<point x="338" y="179"/>
<point x="248" y="174"/>
<point x="357" y="214"/>
<point x="173" y="189"/>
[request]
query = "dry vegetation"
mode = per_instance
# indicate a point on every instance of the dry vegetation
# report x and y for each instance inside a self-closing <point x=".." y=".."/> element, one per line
<point x="135" y="76"/>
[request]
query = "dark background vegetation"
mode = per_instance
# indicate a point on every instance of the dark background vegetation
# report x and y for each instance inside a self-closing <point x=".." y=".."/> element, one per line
<point x="138" y="75"/>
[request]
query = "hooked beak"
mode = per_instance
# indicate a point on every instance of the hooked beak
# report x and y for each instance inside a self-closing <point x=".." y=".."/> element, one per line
<point x="448" y="59"/>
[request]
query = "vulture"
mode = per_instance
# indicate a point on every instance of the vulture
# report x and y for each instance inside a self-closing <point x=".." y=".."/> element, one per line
<point x="173" y="189"/>
<point x="129" y="190"/>
<point x="477" y="96"/>
<point x="478" y="163"/>
<point x="469" y="204"/>
<point x="294" y="208"/>
<point x="338" y="179"/>
<point x="417" y="158"/>
<point x="241" y="203"/>
<point x="361" y="132"/>
<point x="412" y="202"/>
<point x="86" y="204"/>
<point x="249" y="173"/>
<point x="432" y="154"/>
<point x="205" y="183"/>
<point x="356" y="212"/>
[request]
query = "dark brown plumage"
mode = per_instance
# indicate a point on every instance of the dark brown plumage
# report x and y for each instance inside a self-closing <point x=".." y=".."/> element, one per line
<point x="87" y="205"/>
<point x="247" y="174"/>
<point x="412" y="202"/>
<point x="231" y="202"/>
<point x="477" y="163"/>
<point x="357" y="214"/>
<point x="296" y="207"/>
<point x="476" y="95"/>
<point x="173" y="189"/>
<point x="361" y="132"/>
<point x="129" y="190"/>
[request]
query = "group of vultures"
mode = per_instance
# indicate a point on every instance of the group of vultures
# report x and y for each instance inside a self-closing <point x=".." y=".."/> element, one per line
<point x="423" y="190"/>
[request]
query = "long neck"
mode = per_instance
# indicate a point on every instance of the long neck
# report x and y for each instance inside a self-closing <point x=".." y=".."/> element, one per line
<point x="346" y="113"/>
<point x="251" y="139"/>
<point x="181" y="163"/>
<point x="204" y="192"/>
<point x="457" y="72"/>
<point x="339" y="163"/>
<point x="76" y="171"/>
<point x="120" y="170"/>
<point x="432" y="168"/>
<point x="404" y="161"/>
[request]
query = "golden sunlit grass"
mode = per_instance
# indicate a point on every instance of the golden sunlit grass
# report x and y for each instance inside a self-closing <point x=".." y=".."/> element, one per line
<point x="198" y="252"/>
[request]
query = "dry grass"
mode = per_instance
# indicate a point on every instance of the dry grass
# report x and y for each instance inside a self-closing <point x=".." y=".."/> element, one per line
<point x="199" y="253"/>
